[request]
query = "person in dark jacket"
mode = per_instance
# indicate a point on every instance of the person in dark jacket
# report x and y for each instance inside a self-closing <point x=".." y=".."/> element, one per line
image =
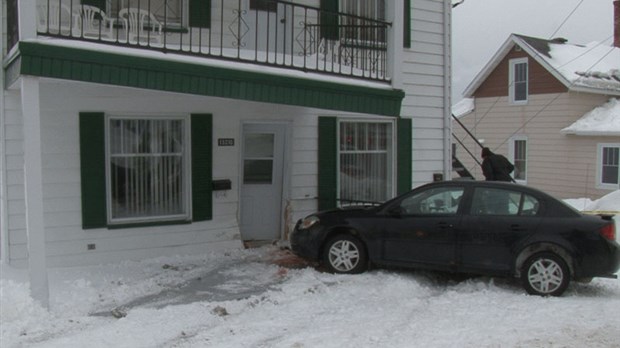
<point x="496" y="167"/>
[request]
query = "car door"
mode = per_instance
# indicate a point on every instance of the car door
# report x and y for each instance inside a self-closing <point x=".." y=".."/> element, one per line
<point x="421" y="229"/>
<point x="496" y="221"/>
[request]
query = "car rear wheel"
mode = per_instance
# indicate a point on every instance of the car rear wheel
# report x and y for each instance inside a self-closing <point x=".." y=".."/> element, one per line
<point x="545" y="274"/>
<point x="345" y="254"/>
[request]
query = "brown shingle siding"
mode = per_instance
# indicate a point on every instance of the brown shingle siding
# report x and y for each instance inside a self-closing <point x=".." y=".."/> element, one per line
<point x="540" y="80"/>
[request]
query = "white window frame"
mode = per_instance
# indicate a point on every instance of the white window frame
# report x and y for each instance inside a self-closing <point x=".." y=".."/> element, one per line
<point x="391" y="158"/>
<point x="512" y="153"/>
<point x="599" y="167"/>
<point x="511" y="81"/>
<point x="187" y="213"/>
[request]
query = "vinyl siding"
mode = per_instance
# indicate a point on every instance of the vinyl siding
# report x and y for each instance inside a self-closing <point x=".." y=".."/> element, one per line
<point x="424" y="83"/>
<point x="562" y="165"/>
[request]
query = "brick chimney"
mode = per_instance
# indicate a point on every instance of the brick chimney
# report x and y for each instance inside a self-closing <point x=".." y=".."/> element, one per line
<point x="617" y="23"/>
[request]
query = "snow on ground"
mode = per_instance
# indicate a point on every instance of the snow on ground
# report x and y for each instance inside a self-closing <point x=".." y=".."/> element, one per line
<point x="244" y="299"/>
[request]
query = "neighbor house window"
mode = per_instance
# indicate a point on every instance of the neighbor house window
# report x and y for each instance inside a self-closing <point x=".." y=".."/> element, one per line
<point x="608" y="166"/>
<point x="518" y="81"/>
<point x="518" y="154"/>
<point x="147" y="169"/>
<point x="365" y="162"/>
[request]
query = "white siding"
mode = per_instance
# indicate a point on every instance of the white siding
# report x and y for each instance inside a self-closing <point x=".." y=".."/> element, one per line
<point x="424" y="84"/>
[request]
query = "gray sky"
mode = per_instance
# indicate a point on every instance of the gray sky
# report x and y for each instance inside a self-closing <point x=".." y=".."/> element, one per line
<point x="480" y="27"/>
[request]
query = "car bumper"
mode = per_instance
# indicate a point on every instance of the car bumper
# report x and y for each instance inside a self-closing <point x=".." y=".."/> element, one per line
<point x="306" y="243"/>
<point x="605" y="264"/>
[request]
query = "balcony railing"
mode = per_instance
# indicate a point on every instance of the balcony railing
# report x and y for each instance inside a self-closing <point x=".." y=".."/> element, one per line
<point x="265" y="32"/>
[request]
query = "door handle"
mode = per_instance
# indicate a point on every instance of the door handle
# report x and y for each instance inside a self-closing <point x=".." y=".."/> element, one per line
<point x="517" y="228"/>
<point x="443" y="225"/>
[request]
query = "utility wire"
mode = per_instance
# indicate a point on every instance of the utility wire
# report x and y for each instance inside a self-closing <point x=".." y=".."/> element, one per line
<point x="566" y="19"/>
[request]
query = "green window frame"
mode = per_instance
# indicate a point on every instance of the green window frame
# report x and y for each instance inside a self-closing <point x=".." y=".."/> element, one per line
<point x="328" y="159"/>
<point x="93" y="169"/>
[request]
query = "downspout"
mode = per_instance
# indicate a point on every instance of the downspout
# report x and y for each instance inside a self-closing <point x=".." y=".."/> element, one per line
<point x="447" y="90"/>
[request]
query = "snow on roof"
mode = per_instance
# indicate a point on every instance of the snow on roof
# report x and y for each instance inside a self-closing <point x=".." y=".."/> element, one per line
<point x="603" y="120"/>
<point x="464" y="107"/>
<point x="593" y="68"/>
<point x="593" y="65"/>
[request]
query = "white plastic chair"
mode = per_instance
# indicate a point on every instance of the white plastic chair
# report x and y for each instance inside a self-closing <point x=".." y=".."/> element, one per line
<point x="91" y="21"/>
<point x="140" y="25"/>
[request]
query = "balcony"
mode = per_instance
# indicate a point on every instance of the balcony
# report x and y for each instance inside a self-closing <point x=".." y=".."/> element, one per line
<point x="262" y="32"/>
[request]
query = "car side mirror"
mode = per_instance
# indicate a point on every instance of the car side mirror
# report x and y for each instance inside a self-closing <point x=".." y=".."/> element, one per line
<point x="396" y="211"/>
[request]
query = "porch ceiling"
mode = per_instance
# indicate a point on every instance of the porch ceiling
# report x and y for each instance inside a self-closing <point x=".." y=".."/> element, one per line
<point x="119" y="69"/>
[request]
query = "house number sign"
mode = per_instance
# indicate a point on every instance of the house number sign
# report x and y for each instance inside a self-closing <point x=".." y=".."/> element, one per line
<point x="225" y="142"/>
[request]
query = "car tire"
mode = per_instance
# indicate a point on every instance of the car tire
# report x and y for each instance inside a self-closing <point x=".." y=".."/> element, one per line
<point x="345" y="254"/>
<point x="545" y="274"/>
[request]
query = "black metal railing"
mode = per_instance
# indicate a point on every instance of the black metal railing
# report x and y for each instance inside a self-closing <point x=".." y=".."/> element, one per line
<point x="267" y="32"/>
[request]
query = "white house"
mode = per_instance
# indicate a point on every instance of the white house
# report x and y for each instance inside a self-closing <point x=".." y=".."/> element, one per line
<point x="137" y="128"/>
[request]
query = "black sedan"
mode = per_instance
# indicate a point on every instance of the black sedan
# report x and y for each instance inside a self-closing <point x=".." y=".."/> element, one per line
<point x="478" y="227"/>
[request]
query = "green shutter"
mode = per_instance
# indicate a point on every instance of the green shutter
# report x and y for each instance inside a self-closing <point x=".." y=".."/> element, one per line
<point x="328" y="147"/>
<point x="92" y="166"/>
<point x="97" y="3"/>
<point x="200" y="13"/>
<point x="329" y="19"/>
<point x="202" y="166"/>
<point x="404" y="167"/>
<point x="407" y="24"/>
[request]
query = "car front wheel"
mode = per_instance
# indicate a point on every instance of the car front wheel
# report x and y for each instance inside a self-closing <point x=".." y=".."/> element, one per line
<point x="344" y="254"/>
<point x="545" y="274"/>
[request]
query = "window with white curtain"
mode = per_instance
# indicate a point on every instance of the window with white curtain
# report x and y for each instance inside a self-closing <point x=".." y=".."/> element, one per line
<point x="518" y="81"/>
<point x="608" y="166"/>
<point x="357" y="27"/>
<point x="365" y="162"/>
<point x="147" y="169"/>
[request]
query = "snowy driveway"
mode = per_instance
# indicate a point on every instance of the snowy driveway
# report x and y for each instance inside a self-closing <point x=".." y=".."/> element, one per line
<point x="243" y="299"/>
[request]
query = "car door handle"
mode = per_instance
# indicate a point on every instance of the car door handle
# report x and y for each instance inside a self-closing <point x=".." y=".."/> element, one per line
<point x="443" y="225"/>
<point x="517" y="228"/>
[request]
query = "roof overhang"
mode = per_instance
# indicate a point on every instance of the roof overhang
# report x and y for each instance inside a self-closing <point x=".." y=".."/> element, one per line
<point x="175" y="73"/>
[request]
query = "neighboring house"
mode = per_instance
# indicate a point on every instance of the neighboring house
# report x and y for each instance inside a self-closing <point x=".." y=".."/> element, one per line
<point x="535" y="102"/>
<point x="132" y="129"/>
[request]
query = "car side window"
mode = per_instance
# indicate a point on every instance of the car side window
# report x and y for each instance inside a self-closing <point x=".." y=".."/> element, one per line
<point x="445" y="200"/>
<point x="492" y="201"/>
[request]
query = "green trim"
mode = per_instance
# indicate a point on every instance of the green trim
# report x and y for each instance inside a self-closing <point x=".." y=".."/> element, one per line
<point x="404" y="160"/>
<point x="202" y="167"/>
<point x="407" y="24"/>
<point x="329" y="19"/>
<point x="328" y="153"/>
<point x="200" y="13"/>
<point x="97" y="3"/>
<point x="92" y="164"/>
<point x="39" y="59"/>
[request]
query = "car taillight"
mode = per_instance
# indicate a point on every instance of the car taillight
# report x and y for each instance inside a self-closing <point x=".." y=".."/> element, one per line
<point x="608" y="232"/>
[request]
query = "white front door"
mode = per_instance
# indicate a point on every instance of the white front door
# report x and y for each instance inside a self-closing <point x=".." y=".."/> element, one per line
<point x="262" y="181"/>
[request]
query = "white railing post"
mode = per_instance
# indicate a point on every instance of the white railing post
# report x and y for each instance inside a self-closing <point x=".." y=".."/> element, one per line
<point x="394" y="14"/>
<point x="27" y="16"/>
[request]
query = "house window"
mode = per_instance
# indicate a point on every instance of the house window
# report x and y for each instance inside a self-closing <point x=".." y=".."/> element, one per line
<point x="357" y="27"/>
<point x="518" y="153"/>
<point x="518" y="81"/>
<point x="365" y="162"/>
<point x="608" y="166"/>
<point x="147" y="169"/>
